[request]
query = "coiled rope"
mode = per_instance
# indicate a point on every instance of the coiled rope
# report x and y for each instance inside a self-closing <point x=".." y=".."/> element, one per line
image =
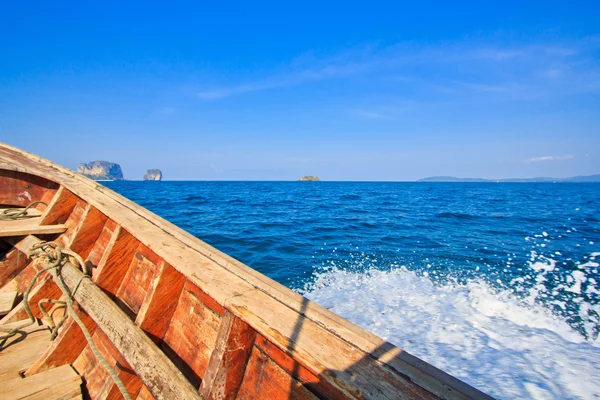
<point x="12" y="214"/>
<point x="50" y="255"/>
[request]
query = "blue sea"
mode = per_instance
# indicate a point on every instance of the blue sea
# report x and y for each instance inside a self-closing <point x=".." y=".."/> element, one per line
<point x="495" y="283"/>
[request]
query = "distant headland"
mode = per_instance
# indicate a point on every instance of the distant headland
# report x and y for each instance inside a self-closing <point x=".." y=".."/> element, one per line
<point x="310" y="178"/>
<point x="587" y="178"/>
<point x="101" y="171"/>
<point x="108" y="171"/>
<point x="153" y="175"/>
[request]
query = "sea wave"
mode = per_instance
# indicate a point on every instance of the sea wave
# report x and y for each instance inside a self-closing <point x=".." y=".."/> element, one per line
<point x="507" y="345"/>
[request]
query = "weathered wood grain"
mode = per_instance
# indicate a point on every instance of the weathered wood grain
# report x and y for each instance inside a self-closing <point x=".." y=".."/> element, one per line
<point x="7" y="301"/>
<point x="296" y="370"/>
<point x="228" y="361"/>
<point x="67" y="346"/>
<point x="112" y="269"/>
<point x="132" y="382"/>
<point x="138" y="277"/>
<point x="26" y="227"/>
<point x="101" y="245"/>
<point x="193" y="330"/>
<point x="156" y="371"/>
<point x="45" y="289"/>
<point x="20" y="189"/>
<point x="91" y="226"/>
<point x="160" y="302"/>
<point x="266" y="380"/>
<point x="225" y="279"/>
<point x="11" y="266"/>
<point x="58" y="383"/>
<point x="61" y="207"/>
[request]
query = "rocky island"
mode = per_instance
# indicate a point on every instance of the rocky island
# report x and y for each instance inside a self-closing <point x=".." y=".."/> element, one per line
<point x="310" y="178"/>
<point x="153" y="175"/>
<point x="101" y="171"/>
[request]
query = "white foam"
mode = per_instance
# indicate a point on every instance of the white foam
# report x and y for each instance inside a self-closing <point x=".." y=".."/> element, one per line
<point x="488" y="338"/>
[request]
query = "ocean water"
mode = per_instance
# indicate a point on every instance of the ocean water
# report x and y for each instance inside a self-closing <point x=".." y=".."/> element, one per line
<point x="496" y="284"/>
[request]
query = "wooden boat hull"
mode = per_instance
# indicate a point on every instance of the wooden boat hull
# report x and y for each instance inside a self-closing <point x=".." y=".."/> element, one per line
<point x="176" y="318"/>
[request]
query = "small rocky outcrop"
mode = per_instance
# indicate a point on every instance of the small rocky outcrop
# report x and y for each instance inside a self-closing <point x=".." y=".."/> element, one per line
<point x="153" y="175"/>
<point x="101" y="171"/>
<point x="309" y="178"/>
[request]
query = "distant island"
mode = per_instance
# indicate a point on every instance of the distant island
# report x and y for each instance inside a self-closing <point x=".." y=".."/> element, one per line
<point x="310" y="178"/>
<point x="153" y="175"/>
<point x="587" y="178"/>
<point x="101" y="171"/>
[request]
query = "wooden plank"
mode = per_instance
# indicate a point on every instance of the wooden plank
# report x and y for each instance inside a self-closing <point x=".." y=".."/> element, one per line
<point x="222" y="278"/>
<point x="132" y="382"/>
<point x="60" y="208"/>
<point x="321" y="387"/>
<point x="67" y="346"/>
<point x="26" y="227"/>
<point x="115" y="263"/>
<point x="192" y="332"/>
<point x="345" y="367"/>
<point x="160" y="302"/>
<point x="58" y="383"/>
<point x="157" y="372"/>
<point x="20" y="351"/>
<point x="266" y="380"/>
<point x="32" y="212"/>
<point x="45" y="289"/>
<point x="101" y="244"/>
<point x="227" y="363"/>
<point x="144" y="394"/>
<point x="21" y="189"/>
<point x="11" y="266"/>
<point x="7" y="301"/>
<point x="137" y="280"/>
<point x="96" y="376"/>
<point x="87" y="235"/>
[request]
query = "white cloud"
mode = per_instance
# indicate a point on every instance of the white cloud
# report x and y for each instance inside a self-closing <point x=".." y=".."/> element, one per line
<point x="551" y="158"/>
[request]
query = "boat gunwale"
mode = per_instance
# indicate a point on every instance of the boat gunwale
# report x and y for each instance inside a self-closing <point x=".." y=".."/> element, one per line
<point x="255" y="283"/>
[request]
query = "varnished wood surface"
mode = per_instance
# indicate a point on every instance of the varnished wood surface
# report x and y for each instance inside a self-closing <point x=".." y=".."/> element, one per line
<point x="185" y="295"/>
<point x="151" y="365"/>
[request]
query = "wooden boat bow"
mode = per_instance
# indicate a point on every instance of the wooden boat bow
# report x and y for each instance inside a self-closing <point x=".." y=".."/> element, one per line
<point x="176" y="318"/>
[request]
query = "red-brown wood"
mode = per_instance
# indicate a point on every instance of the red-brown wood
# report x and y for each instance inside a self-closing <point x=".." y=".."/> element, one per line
<point x="264" y="379"/>
<point x="227" y="364"/>
<point x="160" y="302"/>
<point x="73" y="223"/>
<point x="137" y="280"/>
<point x="144" y="394"/>
<point x="127" y="375"/>
<point x="113" y="267"/>
<point x="91" y="228"/>
<point x="101" y="245"/>
<point x="45" y="289"/>
<point x="67" y="346"/>
<point x="61" y="207"/>
<point x="18" y="189"/>
<point x="11" y="266"/>
<point x="97" y="379"/>
<point x="296" y="370"/>
<point x="192" y="332"/>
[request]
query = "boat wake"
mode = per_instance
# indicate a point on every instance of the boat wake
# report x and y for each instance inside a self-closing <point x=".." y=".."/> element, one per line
<point x="508" y="345"/>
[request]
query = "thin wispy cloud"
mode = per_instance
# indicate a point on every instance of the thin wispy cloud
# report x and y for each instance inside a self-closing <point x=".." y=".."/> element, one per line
<point x="550" y="158"/>
<point x="548" y="69"/>
<point x="372" y="115"/>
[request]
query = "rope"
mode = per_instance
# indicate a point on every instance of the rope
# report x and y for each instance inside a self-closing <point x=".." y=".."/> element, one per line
<point x="32" y="319"/>
<point x="12" y="214"/>
<point x="50" y="254"/>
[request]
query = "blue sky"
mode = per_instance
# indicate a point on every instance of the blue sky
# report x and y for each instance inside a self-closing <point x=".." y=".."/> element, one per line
<point x="378" y="91"/>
